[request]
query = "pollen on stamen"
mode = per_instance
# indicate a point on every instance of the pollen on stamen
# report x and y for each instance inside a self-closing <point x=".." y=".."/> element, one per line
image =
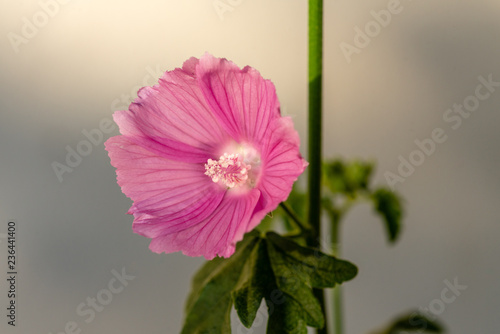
<point x="229" y="170"/>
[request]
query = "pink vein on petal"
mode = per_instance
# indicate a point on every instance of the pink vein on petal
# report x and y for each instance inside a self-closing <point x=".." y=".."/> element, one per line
<point x="243" y="102"/>
<point x="168" y="195"/>
<point x="215" y="235"/>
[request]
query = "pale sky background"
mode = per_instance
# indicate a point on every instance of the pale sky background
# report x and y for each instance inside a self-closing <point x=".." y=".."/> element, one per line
<point x="73" y="69"/>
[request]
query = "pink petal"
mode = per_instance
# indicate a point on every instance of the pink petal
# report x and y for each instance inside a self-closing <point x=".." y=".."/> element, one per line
<point x="168" y="195"/>
<point x="215" y="235"/>
<point x="243" y="102"/>
<point x="172" y="129"/>
<point x="173" y="119"/>
<point x="281" y="166"/>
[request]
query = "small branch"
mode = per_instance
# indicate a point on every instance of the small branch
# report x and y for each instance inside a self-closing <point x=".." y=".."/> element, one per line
<point x="289" y="211"/>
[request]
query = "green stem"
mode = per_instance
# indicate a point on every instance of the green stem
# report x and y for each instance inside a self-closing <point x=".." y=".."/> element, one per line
<point x="315" y="117"/>
<point x="289" y="211"/>
<point x="337" y="292"/>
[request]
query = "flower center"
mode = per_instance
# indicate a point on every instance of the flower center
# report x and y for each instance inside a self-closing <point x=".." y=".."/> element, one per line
<point x="230" y="170"/>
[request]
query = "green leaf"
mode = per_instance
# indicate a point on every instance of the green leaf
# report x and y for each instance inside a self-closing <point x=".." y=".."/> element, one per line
<point x="318" y="269"/>
<point x="256" y="281"/>
<point x="347" y="178"/>
<point x="197" y="283"/>
<point x="299" y="269"/>
<point x="209" y="303"/>
<point x="286" y="317"/>
<point x="276" y="269"/>
<point x="412" y="323"/>
<point x="388" y="205"/>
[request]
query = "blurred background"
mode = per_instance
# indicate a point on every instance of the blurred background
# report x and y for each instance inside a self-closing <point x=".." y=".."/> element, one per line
<point x="67" y="65"/>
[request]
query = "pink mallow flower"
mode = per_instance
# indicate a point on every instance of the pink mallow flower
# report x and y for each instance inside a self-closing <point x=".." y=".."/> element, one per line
<point x="204" y="155"/>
